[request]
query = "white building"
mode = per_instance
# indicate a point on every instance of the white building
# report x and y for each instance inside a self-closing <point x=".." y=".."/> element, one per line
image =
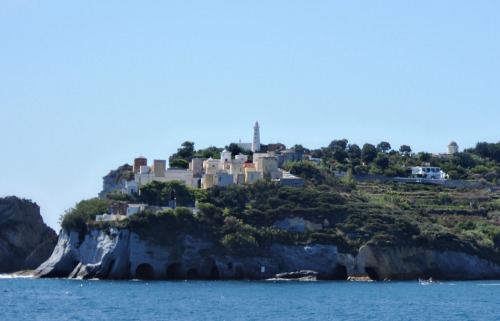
<point x="146" y="175"/>
<point x="255" y="144"/>
<point x="131" y="188"/>
<point x="109" y="217"/>
<point x="135" y="208"/>
<point x="429" y="172"/>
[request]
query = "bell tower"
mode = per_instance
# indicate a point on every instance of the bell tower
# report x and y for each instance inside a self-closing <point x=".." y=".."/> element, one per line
<point x="256" y="137"/>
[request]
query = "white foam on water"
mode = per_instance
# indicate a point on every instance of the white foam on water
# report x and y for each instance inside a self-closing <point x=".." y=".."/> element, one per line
<point x="14" y="276"/>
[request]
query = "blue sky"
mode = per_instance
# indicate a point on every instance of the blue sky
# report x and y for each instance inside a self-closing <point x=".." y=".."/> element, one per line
<point x="87" y="86"/>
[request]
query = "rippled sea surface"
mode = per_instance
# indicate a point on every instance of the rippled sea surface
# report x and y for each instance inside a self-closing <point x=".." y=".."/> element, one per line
<point x="61" y="299"/>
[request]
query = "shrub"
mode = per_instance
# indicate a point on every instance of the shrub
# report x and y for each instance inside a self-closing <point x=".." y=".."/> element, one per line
<point x="240" y="244"/>
<point x="86" y="210"/>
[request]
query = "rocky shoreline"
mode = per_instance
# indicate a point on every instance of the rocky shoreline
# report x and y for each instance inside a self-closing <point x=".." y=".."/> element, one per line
<point x="114" y="253"/>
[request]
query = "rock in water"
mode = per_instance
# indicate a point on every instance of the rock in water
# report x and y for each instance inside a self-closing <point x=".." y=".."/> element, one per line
<point x="302" y="275"/>
<point x="25" y="240"/>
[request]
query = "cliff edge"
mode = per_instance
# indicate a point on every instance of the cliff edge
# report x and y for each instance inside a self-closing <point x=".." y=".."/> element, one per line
<point x="25" y="240"/>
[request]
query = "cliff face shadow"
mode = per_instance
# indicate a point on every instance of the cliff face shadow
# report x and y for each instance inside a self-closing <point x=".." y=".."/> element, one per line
<point x="372" y="273"/>
<point x="175" y="272"/>
<point x="145" y="272"/>
<point x="192" y="274"/>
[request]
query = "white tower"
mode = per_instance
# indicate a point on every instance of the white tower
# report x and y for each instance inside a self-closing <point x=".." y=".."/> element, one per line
<point x="256" y="138"/>
<point x="225" y="156"/>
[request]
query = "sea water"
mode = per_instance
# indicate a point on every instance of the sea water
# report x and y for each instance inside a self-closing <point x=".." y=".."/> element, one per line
<point x="62" y="299"/>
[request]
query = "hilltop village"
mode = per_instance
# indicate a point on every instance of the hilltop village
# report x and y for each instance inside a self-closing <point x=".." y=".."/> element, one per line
<point x="259" y="162"/>
<point x="205" y="173"/>
<point x="228" y="170"/>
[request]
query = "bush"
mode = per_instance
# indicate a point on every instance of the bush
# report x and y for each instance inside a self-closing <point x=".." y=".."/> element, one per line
<point x="444" y="198"/>
<point x="86" y="210"/>
<point x="240" y="244"/>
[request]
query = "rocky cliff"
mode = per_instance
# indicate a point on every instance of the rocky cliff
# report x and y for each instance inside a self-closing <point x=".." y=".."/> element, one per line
<point x="407" y="263"/>
<point x="25" y="240"/>
<point x="120" y="254"/>
<point x="116" y="179"/>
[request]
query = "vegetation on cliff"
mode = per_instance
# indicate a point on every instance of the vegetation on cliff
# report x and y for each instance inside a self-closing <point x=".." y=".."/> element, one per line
<point x="84" y="211"/>
<point x="244" y="220"/>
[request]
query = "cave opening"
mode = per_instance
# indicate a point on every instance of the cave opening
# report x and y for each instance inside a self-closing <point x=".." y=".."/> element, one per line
<point x="340" y="272"/>
<point x="144" y="272"/>
<point x="372" y="273"/>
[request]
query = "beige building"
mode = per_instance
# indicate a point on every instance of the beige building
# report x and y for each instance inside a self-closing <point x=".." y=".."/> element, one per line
<point x="267" y="166"/>
<point x="159" y="167"/>
<point x="196" y="165"/>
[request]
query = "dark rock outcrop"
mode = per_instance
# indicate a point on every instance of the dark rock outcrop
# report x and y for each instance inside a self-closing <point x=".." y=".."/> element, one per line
<point x="25" y="240"/>
<point x="116" y="179"/>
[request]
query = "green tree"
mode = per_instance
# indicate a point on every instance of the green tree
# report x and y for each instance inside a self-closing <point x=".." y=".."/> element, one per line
<point x="384" y="147"/>
<point x="340" y="155"/>
<point x="494" y="151"/>
<point x="304" y="169"/>
<point x="317" y="153"/>
<point x="424" y="157"/>
<point x="154" y="193"/>
<point x="186" y="151"/>
<point x="76" y="217"/>
<point x="338" y="144"/>
<point x="354" y="152"/>
<point x="159" y="193"/>
<point x="482" y="149"/>
<point x="179" y="163"/>
<point x="405" y="150"/>
<point x="368" y="153"/>
<point x="464" y="159"/>
<point x="234" y="149"/>
<point x="299" y="148"/>
<point x="382" y="160"/>
<point x="240" y="243"/>
<point x="211" y="151"/>
<point x="185" y="196"/>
